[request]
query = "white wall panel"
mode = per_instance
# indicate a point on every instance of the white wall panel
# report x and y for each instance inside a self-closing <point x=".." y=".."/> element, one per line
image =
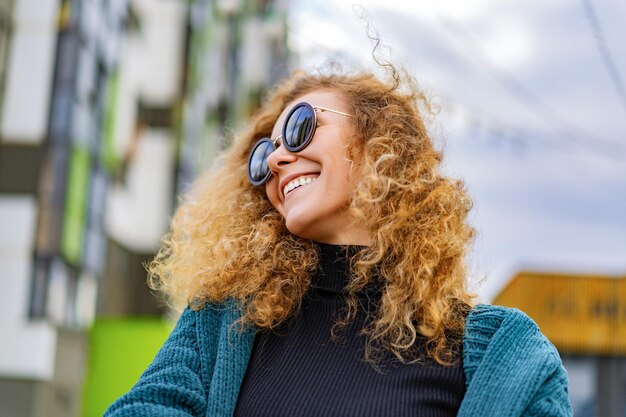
<point x="125" y="107"/>
<point x="36" y="11"/>
<point x="29" y="73"/>
<point x="162" y="49"/>
<point x="27" y="349"/>
<point x="138" y="212"/>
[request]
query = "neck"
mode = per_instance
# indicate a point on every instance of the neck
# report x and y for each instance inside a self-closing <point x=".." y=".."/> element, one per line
<point x="355" y="237"/>
<point x="334" y="266"/>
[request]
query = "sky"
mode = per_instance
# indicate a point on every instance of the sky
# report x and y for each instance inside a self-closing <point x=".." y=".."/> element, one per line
<point x="531" y="116"/>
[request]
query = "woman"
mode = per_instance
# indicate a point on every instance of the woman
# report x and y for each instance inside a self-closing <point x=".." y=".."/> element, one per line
<point x="323" y="267"/>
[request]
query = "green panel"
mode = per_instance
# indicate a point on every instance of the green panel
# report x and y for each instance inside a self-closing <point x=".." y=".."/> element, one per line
<point x="119" y="351"/>
<point x="76" y="197"/>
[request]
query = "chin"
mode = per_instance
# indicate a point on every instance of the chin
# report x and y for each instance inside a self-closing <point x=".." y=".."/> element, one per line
<point x="299" y="229"/>
<point x="306" y="228"/>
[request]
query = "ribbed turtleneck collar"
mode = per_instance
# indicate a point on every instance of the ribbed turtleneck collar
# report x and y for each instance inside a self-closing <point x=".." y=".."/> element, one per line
<point x="334" y="265"/>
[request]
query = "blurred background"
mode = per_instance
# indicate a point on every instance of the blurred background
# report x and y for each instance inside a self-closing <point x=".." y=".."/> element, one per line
<point x="110" y="108"/>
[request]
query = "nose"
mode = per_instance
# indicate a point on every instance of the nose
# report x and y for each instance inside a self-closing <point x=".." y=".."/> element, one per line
<point x="280" y="158"/>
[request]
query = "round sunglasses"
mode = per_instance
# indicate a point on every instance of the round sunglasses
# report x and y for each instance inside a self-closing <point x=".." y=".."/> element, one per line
<point x="298" y="131"/>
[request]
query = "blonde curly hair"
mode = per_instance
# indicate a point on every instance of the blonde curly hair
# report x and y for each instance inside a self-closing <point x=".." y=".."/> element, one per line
<point x="227" y="240"/>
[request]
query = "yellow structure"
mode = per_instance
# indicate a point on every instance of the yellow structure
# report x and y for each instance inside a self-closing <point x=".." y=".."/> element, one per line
<point x="580" y="314"/>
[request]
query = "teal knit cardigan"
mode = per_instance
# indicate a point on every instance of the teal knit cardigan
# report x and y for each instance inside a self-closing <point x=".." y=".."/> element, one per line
<point x="511" y="368"/>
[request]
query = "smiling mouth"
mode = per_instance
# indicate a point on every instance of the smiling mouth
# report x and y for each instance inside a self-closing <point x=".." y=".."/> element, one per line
<point x="297" y="183"/>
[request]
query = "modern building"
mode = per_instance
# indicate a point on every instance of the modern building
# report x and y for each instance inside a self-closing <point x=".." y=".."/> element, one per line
<point x="108" y="110"/>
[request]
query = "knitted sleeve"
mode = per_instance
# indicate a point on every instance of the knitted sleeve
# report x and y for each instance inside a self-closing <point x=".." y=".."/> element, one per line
<point x="553" y="400"/>
<point x="172" y="385"/>
<point x="511" y="368"/>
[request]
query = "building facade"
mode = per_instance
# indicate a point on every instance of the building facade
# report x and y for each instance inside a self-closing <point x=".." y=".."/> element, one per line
<point x="108" y="110"/>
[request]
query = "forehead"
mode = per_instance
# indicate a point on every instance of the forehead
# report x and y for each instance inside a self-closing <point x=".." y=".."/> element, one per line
<point x="322" y="98"/>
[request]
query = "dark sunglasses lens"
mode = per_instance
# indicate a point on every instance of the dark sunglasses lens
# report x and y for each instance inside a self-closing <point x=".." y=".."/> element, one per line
<point x="299" y="127"/>
<point x="258" y="170"/>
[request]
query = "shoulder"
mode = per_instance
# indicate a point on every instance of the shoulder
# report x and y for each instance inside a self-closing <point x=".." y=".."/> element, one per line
<point x="485" y="320"/>
<point x="501" y="330"/>
<point x="504" y="351"/>
<point x="216" y="320"/>
<point x="211" y="314"/>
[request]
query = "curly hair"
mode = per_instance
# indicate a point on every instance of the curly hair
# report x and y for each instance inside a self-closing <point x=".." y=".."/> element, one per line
<point x="227" y="241"/>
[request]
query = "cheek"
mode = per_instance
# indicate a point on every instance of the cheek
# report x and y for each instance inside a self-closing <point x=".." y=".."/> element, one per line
<point x="271" y="189"/>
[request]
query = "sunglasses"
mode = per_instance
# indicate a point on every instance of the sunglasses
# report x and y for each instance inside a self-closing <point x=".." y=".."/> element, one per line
<point x="297" y="133"/>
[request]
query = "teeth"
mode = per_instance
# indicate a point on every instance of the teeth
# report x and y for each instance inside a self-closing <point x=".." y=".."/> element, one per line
<point x="298" y="182"/>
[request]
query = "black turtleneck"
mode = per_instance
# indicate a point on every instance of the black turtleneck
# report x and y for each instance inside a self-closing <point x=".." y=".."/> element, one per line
<point x="299" y="370"/>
